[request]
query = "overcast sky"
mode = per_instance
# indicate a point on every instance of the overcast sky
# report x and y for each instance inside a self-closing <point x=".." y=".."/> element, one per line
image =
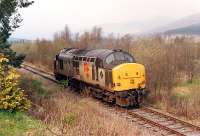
<point x="48" y="16"/>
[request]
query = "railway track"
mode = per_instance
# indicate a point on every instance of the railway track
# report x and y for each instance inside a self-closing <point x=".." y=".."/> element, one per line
<point x="147" y="117"/>
<point x="42" y="73"/>
<point x="165" y="124"/>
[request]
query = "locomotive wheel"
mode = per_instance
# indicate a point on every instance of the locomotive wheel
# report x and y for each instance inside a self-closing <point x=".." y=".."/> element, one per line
<point x="136" y="98"/>
<point x="109" y="98"/>
<point x="58" y="77"/>
<point x="97" y="95"/>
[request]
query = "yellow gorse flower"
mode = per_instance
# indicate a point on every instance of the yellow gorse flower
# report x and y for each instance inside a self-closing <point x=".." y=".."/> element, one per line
<point x="11" y="96"/>
<point x="3" y="60"/>
<point x="12" y="75"/>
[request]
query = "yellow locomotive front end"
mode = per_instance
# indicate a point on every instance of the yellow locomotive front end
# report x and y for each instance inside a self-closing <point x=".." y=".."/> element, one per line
<point x="127" y="79"/>
<point x="129" y="84"/>
<point x="128" y="76"/>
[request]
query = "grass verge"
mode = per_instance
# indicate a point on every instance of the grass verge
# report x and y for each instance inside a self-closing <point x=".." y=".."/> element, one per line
<point x="19" y="124"/>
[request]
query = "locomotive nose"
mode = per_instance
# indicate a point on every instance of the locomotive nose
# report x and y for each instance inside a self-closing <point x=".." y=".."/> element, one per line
<point x="129" y="76"/>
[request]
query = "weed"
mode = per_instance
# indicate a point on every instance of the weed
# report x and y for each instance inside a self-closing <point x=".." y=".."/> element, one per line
<point x="63" y="84"/>
<point x="70" y="118"/>
<point x="192" y="83"/>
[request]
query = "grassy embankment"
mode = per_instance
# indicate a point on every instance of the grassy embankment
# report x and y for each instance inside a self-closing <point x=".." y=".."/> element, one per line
<point x="19" y="124"/>
<point x="169" y="63"/>
<point x="66" y="113"/>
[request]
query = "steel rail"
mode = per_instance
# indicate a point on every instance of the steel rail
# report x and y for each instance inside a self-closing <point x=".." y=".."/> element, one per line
<point x="172" y="118"/>
<point x="41" y="73"/>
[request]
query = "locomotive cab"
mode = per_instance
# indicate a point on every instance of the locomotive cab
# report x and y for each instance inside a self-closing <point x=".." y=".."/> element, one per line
<point x="128" y="78"/>
<point x="126" y="73"/>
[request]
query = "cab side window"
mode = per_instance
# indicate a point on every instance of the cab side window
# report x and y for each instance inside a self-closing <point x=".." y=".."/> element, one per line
<point x="110" y="59"/>
<point x="61" y="64"/>
<point x="129" y="58"/>
<point x="119" y="56"/>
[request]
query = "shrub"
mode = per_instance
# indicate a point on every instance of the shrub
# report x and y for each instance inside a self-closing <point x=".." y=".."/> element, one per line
<point x="63" y="84"/>
<point x="34" y="88"/>
<point x="70" y="118"/>
<point x="12" y="97"/>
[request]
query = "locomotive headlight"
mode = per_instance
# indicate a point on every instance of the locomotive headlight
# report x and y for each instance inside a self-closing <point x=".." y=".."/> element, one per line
<point x="143" y="82"/>
<point x="116" y="84"/>
<point x="113" y="85"/>
<point x="132" y="81"/>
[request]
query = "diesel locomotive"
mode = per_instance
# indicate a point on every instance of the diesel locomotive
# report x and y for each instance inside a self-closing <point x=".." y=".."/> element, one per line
<point x="111" y="75"/>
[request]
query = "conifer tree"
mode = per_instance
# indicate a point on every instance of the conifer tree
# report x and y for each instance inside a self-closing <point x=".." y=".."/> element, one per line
<point x="10" y="19"/>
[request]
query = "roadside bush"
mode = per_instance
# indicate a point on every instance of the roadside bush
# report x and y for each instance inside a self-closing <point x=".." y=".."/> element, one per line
<point x="12" y="97"/>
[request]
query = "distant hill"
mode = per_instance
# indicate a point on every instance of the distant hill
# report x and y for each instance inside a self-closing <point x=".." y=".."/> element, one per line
<point x="133" y="27"/>
<point x="188" y="30"/>
<point x="187" y="25"/>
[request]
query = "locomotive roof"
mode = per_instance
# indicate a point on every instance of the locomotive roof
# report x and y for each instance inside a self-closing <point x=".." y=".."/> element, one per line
<point x="97" y="53"/>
